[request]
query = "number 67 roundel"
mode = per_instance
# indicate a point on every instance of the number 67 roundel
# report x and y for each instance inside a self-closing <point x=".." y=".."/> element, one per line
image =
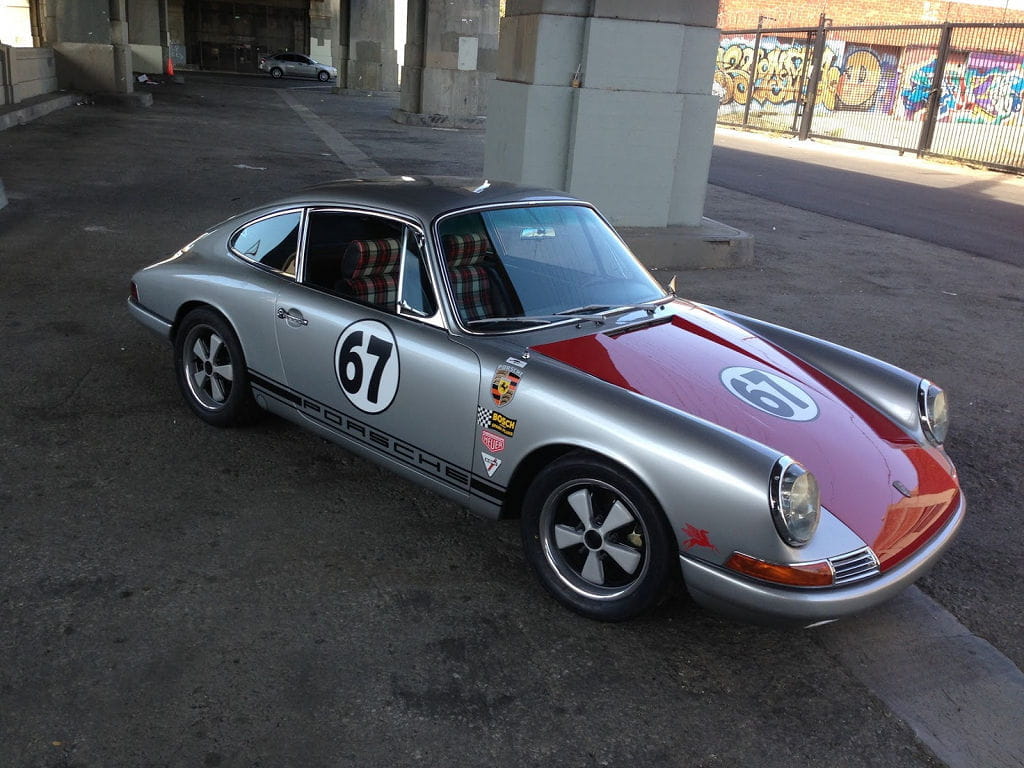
<point x="366" y="363"/>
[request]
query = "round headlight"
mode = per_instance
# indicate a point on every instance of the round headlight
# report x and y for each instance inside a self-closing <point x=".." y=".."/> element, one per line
<point x="795" y="502"/>
<point x="934" y="412"/>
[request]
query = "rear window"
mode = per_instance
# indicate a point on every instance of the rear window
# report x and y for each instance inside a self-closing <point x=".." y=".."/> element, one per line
<point x="271" y="242"/>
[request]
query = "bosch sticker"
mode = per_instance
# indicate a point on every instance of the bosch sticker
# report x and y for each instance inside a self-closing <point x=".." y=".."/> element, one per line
<point x="492" y="442"/>
<point x="366" y="364"/>
<point x="491" y="464"/>
<point x="770" y="393"/>
<point x="504" y="384"/>
<point x="499" y="422"/>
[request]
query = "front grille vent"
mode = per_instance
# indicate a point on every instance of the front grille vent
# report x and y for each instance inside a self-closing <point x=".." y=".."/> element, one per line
<point x="854" y="566"/>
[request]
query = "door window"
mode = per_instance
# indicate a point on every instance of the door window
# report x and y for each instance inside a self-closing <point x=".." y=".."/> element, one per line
<point x="368" y="259"/>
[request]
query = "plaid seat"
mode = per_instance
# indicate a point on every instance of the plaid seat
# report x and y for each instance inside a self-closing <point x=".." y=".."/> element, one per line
<point x="470" y="279"/>
<point x="371" y="271"/>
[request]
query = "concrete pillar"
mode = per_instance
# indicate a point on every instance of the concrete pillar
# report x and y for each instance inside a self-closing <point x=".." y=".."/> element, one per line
<point x="609" y="100"/>
<point x="325" y="43"/>
<point x="147" y="35"/>
<point x="90" y="45"/>
<point x="450" y="59"/>
<point x="371" y="62"/>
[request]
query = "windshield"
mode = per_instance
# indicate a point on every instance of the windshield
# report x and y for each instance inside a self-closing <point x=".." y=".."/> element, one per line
<point x="511" y="268"/>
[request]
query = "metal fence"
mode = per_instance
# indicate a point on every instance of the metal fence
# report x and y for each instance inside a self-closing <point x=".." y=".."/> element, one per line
<point x="948" y="90"/>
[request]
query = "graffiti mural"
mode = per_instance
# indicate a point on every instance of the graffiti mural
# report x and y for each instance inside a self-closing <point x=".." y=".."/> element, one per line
<point x="877" y="85"/>
<point x="869" y="78"/>
<point x="995" y="89"/>
<point x="852" y="77"/>
<point x="918" y="68"/>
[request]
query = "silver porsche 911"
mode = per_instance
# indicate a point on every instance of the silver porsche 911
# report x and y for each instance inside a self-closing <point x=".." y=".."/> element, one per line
<point x="503" y="348"/>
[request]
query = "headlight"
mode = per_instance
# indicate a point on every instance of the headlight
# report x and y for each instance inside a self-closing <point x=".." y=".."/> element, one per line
<point x="931" y="401"/>
<point x="795" y="502"/>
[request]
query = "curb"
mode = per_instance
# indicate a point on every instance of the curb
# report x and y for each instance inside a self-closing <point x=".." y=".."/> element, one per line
<point x="36" y="108"/>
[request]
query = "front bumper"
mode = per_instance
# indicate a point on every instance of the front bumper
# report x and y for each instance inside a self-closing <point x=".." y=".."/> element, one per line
<point x="758" y="602"/>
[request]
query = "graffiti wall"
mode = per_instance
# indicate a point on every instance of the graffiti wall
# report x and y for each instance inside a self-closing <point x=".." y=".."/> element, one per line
<point x="976" y="87"/>
<point x="994" y="89"/>
<point x="875" y="86"/>
<point x="853" y="76"/>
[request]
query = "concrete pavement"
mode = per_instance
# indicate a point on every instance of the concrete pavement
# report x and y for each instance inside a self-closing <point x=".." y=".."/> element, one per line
<point x="173" y="594"/>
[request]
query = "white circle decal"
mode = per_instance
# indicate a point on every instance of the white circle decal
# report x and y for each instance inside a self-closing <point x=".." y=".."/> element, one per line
<point x="770" y="393"/>
<point x="366" y="364"/>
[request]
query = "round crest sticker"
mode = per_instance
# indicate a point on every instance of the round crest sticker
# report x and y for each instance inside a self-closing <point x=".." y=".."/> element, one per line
<point x="770" y="393"/>
<point x="366" y="363"/>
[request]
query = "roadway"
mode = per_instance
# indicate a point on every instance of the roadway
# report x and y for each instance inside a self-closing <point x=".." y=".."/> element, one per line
<point x="978" y="212"/>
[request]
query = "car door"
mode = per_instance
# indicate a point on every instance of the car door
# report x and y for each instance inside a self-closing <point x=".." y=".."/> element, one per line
<point x="304" y="66"/>
<point x="374" y="370"/>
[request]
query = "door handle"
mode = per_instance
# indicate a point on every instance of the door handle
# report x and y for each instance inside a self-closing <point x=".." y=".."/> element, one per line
<point x="293" y="319"/>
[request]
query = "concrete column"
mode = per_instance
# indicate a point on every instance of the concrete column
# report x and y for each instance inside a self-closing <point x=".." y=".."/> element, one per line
<point x="371" y="62"/>
<point x="451" y="57"/>
<point x="147" y="35"/>
<point x="90" y="45"/>
<point x="324" y="33"/>
<point x="609" y="100"/>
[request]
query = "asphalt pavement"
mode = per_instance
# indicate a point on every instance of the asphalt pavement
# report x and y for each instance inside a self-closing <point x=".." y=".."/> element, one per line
<point x="176" y="595"/>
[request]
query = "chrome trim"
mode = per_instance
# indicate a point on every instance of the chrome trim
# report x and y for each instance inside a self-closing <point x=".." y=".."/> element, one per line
<point x="923" y="391"/>
<point x="782" y="466"/>
<point x="854" y="566"/>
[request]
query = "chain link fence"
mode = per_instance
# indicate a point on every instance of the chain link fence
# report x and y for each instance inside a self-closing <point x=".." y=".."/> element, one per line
<point x="948" y="90"/>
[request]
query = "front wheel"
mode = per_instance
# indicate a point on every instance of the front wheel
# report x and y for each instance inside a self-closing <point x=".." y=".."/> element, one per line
<point x="323" y="76"/>
<point x="596" y="538"/>
<point x="211" y="370"/>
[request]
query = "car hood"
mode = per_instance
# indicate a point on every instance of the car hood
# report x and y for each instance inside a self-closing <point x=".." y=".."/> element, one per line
<point x="886" y="487"/>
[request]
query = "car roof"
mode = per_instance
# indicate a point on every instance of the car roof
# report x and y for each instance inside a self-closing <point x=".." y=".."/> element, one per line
<point x="422" y="197"/>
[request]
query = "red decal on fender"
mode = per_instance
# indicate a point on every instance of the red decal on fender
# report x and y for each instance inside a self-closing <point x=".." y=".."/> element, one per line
<point x="697" y="538"/>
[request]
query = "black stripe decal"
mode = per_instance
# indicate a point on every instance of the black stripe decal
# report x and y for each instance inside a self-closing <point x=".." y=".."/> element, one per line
<point x="381" y="442"/>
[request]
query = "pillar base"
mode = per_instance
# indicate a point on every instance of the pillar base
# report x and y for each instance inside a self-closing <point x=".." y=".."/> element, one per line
<point x="711" y="245"/>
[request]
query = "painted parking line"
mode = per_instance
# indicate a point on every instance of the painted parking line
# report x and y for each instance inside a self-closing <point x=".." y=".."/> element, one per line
<point x="358" y="161"/>
<point x="963" y="698"/>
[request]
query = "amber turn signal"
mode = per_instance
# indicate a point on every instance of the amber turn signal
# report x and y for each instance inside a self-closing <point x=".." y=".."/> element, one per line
<point x="796" y="575"/>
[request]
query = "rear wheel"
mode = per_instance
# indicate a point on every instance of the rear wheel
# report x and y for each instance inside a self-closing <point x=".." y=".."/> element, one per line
<point x="276" y="72"/>
<point x="211" y="370"/>
<point x="596" y="538"/>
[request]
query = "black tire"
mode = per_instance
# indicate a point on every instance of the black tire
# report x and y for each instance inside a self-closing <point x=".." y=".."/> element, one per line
<point x="597" y="539"/>
<point x="210" y="369"/>
<point x="323" y="75"/>
<point x="276" y="72"/>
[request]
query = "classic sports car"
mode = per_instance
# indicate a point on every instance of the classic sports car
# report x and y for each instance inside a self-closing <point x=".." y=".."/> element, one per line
<point x="502" y="347"/>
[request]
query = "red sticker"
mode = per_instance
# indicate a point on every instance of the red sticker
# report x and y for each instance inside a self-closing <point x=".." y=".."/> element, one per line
<point x="697" y="538"/>
<point x="492" y="442"/>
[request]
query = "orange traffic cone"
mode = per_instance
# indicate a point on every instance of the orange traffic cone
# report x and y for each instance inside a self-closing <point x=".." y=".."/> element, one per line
<point x="170" y="67"/>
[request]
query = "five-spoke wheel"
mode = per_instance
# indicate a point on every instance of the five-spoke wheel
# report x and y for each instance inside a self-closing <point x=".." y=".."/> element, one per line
<point x="596" y="538"/>
<point x="211" y="369"/>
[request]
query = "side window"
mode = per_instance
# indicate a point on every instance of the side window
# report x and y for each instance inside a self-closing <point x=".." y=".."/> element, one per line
<point x="271" y="242"/>
<point x="356" y="256"/>
<point x="417" y="296"/>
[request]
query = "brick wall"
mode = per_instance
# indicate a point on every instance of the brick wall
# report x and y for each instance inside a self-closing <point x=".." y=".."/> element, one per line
<point x="742" y="14"/>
